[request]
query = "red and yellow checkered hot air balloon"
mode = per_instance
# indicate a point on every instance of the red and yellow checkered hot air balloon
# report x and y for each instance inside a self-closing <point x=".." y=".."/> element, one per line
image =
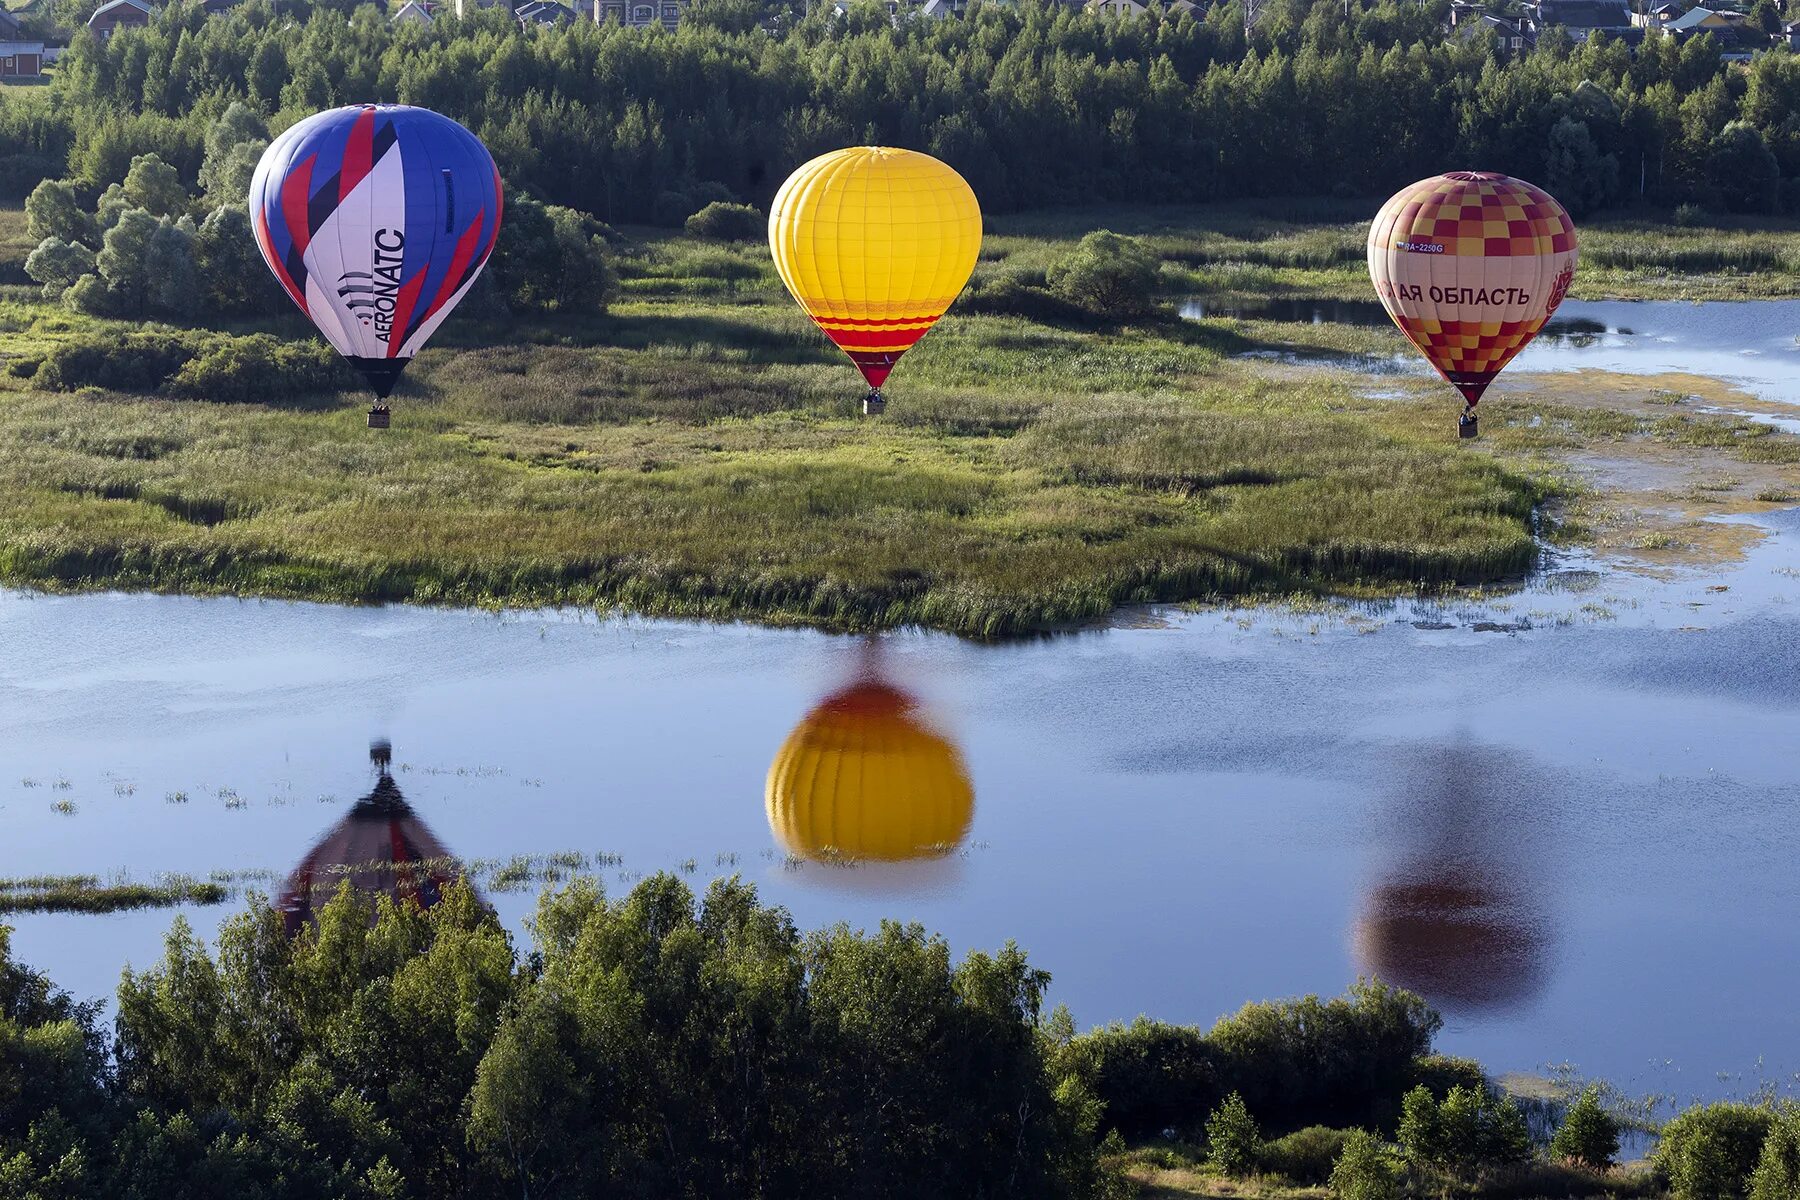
<point x="1470" y="265"/>
<point x="874" y="244"/>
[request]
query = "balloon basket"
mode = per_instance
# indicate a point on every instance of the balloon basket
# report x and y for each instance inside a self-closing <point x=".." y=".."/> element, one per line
<point x="380" y="416"/>
<point x="1468" y="426"/>
<point x="874" y="404"/>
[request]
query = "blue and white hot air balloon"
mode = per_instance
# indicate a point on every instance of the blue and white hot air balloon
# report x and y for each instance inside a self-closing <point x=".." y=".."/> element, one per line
<point x="376" y="218"/>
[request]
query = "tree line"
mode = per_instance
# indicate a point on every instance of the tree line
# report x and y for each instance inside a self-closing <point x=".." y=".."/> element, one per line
<point x="1034" y="103"/>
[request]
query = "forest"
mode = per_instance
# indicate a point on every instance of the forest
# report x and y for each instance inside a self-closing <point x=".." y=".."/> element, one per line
<point x="1037" y="105"/>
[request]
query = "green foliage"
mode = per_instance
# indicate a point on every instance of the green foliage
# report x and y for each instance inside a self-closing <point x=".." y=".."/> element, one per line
<point x="137" y="362"/>
<point x="1108" y="275"/>
<point x="721" y="221"/>
<point x="154" y="186"/>
<point x="234" y="145"/>
<point x="1441" y="1072"/>
<point x="1363" y="1170"/>
<point x="234" y="280"/>
<point x="1304" y="1156"/>
<point x="1689" y="216"/>
<point x="146" y="265"/>
<point x="1709" y="1152"/>
<point x="1589" y="1135"/>
<point x="649" y="1045"/>
<point x="1151" y="1076"/>
<point x="52" y="211"/>
<point x="1576" y="172"/>
<point x="1470" y="1130"/>
<point x="1777" y="1174"/>
<point x="1743" y="170"/>
<point x="1233" y="1142"/>
<point x="550" y="259"/>
<point x="58" y="264"/>
<point x="260" y="369"/>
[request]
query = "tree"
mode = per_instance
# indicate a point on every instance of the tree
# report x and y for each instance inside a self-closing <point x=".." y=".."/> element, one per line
<point x="1363" y="1171"/>
<point x="1108" y="275"/>
<point x="551" y="259"/>
<point x="1575" y="171"/>
<point x="154" y="186"/>
<point x="1589" y="1134"/>
<point x="1709" y="1152"/>
<point x="1777" y="1175"/>
<point x="1743" y="169"/>
<point x="233" y="277"/>
<point x="58" y="264"/>
<point x="51" y="211"/>
<point x="234" y="145"/>
<point x="1469" y="1130"/>
<point x="1232" y="1139"/>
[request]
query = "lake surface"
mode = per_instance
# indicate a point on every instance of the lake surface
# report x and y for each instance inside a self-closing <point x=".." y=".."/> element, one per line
<point x="1571" y="817"/>
<point x="1753" y="344"/>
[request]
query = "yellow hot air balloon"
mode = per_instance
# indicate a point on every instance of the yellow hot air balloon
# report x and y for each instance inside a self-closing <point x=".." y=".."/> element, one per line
<point x="1470" y="265"/>
<point x="874" y="244"/>
<point x="862" y="777"/>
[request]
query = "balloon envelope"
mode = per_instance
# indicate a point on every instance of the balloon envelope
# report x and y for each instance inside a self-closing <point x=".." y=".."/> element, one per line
<point x="874" y="244"/>
<point x="1470" y="266"/>
<point x="862" y="777"/>
<point x="376" y="219"/>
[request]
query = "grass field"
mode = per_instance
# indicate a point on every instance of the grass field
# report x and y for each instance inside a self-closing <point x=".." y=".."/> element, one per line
<point x="698" y="451"/>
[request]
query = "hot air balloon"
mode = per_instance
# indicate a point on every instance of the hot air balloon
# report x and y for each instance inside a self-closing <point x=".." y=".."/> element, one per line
<point x="862" y="777"/>
<point x="1461" y="940"/>
<point x="874" y="244"/>
<point x="1470" y="265"/>
<point x="376" y="218"/>
<point x="380" y="846"/>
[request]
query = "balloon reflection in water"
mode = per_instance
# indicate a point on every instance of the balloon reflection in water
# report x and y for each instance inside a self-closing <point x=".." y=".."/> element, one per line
<point x="1454" y="921"/>
<point x="864" y="777"/>
<point x="381" y="847"/>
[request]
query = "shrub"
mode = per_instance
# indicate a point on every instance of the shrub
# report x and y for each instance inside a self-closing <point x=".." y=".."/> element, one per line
<point x="1016" y="295"/>
<point x="1441" y="1072"/>
<point x="259" y="369"/>
<point x="1589" y="1135"/>
<point x="1306" y="1155"/>
<point x="1232" y="1139"/>
<point x="1689" y="215"/>
<point x="1743" y="169"/>
<point x="1108" y="274"/>
<point x="1470" y="1130"/>
<point x="52" y="211"/>
<point x="1709" y="1152"/>
<point x="1363" y="1170"/>
<point x="58" y="264"/>
<point x="138" y="362"/>
<point x="1777" y="1175"/>
<point x="724" y="222"/>
<point x="1150" y="1076"/>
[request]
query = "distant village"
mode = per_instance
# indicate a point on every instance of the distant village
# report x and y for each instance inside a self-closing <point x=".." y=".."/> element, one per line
<point x="1515" y="27"/>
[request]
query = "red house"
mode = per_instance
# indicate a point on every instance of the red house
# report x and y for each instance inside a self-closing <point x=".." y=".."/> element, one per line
<point x="21" y="60"/>
<point x="119" y="14"/>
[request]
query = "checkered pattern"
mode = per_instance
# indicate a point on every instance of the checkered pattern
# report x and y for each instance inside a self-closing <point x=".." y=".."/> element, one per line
<point x="1469" y="351"/>
<point x="1481" y="214"/>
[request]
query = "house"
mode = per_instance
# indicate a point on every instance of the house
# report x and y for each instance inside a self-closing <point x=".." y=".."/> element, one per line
<point x="21" y="60"/>
<point x="412" y="13"/>
<point x="1579" y="19"/>
<point x="1790" y="33"/>
<point x="1658" y="17"/>
<point x="1114" y="8"/>
<point x="119" y="14"/>
<point x="1702" y="18"/>
<point x="10" y="30"/>
<point x="1507" y="35"/>
<point x="549" y="13"/>
<point x="218" y="8"/>
<point x="640" y="14"/>
<point x="465" y="8"/>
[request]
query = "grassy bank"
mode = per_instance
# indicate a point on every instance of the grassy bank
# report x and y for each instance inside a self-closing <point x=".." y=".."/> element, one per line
<point x="697" y="451"/>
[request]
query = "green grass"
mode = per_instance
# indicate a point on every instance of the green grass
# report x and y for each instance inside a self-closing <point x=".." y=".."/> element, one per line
<point x="698" y="451"/>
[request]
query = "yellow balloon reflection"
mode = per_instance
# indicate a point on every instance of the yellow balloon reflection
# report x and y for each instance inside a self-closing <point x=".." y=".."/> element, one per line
<point x="864" y="777"/>
<point x="381" y="846"/>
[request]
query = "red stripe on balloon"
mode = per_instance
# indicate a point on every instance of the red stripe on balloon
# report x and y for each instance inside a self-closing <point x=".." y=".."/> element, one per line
<point x="459" y="262"/>
<point x="296" y="189"/>
<point x="403" y="306"/>
<point x="359" y="154"/>
<point x="274" y="260"/>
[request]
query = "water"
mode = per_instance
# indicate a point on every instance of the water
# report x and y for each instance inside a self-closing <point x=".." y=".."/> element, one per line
<point x="1568" y="816"/>
<point x="1751" y="344"/>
